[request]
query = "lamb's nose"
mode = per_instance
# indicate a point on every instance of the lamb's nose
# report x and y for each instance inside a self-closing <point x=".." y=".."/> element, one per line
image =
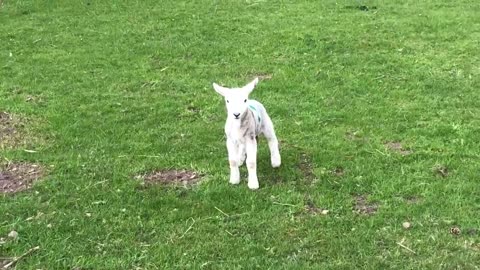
<point x="236" y="115"/>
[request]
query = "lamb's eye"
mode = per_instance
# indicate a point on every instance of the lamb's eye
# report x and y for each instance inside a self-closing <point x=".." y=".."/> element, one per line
<point x="245" y="101"/>
<point x="228" y="101"/>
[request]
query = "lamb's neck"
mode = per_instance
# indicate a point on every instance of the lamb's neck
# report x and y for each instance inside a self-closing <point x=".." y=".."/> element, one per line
<point x="234" y="124"/>
<point x="236" y="129"/>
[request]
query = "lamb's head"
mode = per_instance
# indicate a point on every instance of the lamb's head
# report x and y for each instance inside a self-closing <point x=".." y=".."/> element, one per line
<point x="236" y="98"/>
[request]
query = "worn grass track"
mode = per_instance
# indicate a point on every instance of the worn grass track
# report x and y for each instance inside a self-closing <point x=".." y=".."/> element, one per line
<point x="375" y="104"/>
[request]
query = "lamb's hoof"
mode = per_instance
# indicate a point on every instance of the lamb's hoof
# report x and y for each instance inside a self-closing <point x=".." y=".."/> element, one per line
<point x="235" y="181"/>
<point x="276" y="162"/>
<point x="253" y="185"/>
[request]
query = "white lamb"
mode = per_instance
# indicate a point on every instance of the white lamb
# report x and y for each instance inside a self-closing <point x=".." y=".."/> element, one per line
<point x="246" y="119"/>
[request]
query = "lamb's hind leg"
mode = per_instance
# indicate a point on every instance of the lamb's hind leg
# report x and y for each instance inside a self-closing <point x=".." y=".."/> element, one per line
<point x="251" y="147"/>
<point x="269" y="133"/>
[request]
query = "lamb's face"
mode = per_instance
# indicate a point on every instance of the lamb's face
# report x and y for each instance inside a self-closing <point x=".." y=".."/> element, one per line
<point x="236" y="98"/>
<point x="236" y="101"/>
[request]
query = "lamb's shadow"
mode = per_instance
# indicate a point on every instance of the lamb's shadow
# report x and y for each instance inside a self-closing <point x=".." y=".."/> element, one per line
<point x="297" y="166"/>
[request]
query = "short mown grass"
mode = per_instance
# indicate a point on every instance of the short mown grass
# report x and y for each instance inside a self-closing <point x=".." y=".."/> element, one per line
<point x="121" y="88"/>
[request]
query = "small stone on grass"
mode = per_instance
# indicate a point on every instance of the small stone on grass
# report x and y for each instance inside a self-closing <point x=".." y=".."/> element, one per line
<point x="455" y="230"/>
<point x="313" y="209"/>
<point x="13" y="234"/>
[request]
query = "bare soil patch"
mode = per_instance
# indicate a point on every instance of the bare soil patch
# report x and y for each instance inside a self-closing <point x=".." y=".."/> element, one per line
<point x="398" y="147"/>
<point x="35" y="99"/>
<point x="361" y="7"/>
<point x="362" y="206"/>
<point x="441" y="170"/>
<point x="261" y="76"/>
<point x="15" y="177"/>
<point x="472" y="231"/>
<point x="413" y="199"/>
<point x="171" y="177"/>
<point x="311" y="208"/>
<point x="306" y="166"/>
<point x="338" y="171"/>
<point x="14" y="132"/>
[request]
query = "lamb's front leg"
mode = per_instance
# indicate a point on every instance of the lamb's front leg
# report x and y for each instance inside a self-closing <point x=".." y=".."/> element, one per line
<point x="251" y="147"/>
<point x="234" y="162"/>
<point x="242" y="155"/>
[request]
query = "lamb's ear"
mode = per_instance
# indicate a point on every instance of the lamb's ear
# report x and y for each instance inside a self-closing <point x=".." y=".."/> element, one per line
<point x="249" y="87"/>
<point x="220" y="89"/>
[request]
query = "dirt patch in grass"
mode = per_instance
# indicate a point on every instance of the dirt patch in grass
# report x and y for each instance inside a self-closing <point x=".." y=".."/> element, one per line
<point x="338" y="171"/>
<point x="35" y="99"/>
<point x="361" y="7"/>
<point x="170" y="177"/>
<point x="413" y="199"/>
<point x="15" y="177"/>
<point x="440" y="170"/>
<point x="312" y="209"/>
<point x="305" y="165"/>
<point x="398" y="147"/>
<point x="472" y="231"/>
<point x="9" y="130"/>
<point x="362" y="206"/>
<point x="261" y="76"/>
<point x="14" y="132"/>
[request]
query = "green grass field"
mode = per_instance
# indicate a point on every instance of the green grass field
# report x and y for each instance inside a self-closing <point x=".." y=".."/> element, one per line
<point x="376" y="106"/>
